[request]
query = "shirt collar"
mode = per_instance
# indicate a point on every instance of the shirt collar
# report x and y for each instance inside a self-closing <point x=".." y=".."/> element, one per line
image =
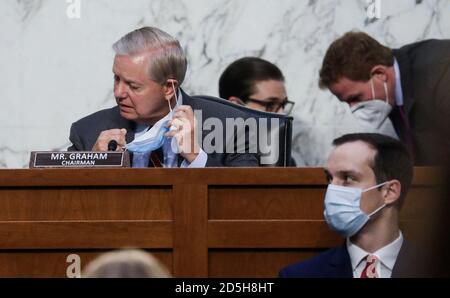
<point x="398" y="85"/>
<point x="356" y="254"/>
<point x="387" y="255"/>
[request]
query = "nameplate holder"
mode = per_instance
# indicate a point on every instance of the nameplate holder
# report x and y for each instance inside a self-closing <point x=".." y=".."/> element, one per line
<point x="79" y="159"/>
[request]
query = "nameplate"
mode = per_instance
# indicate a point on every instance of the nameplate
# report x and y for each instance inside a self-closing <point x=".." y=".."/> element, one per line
<point x="78" y="159"/>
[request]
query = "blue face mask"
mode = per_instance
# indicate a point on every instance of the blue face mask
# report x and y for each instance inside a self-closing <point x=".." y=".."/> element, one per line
<point x="342" y="209"/>
<point x="155" y="137"/>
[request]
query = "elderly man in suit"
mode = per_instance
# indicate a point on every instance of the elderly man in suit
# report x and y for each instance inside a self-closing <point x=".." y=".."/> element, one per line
<point x="403" y="92"/>
<point x="152" y="109"/>
<point x="369" y="176"/>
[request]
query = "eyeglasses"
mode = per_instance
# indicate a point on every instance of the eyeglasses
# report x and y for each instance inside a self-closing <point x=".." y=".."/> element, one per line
<point x="272" y="106"/>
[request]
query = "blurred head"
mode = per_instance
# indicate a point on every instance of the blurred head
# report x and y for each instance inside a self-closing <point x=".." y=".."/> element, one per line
<point x="364" y="160"/>
<point x="125" y="264"/>
<point x="351" y="62"/>
<point x="148" y="66"/>
<point x="255" y="83"/>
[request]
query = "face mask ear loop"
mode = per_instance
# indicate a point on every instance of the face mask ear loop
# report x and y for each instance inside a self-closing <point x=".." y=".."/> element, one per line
<point x="376" y="186"/>
<point x="386" y="91"/>
<point x="176" y="96"/>
<point x="382" y="206"/>
<point x="373" y="88"/>
<point x="377" y="210"/>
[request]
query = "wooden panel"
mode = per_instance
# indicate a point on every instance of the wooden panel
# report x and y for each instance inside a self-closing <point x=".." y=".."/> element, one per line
<point x="271" y="234"/>
<point x="420" y="203"/>
<point x="52" y="263"/>
<point x="415" y="230"/>
<point x="251" y="203"/>
<point x="159" y="177"/>
<point x="260" y="219"/>
<point x="269" y="202"/>
<point x="85" y="204"/>
<point x="254" y="264"/>
<point x="166" y="176"/>
<point x="33" y="235"/>
<point x="190" y="231"/>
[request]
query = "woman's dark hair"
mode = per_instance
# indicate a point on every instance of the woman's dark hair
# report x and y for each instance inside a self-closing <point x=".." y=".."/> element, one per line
<point x="239" y="77"/>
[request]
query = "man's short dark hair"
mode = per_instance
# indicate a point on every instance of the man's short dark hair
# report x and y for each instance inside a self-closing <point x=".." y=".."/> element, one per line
<point x="240" y="77"/>
<point x="353" y="56"/>
<point x="392" y="159"/>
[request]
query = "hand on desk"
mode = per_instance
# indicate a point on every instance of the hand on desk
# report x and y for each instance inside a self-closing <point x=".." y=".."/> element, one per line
<point x="107" y="135"/>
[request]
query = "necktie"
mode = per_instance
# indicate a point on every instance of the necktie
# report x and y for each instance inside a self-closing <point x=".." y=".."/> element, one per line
<point x="156" y="158"/>
<point x="405" y="129"/>
<point x="140" y="160"/>
<point x="371" y="267"/>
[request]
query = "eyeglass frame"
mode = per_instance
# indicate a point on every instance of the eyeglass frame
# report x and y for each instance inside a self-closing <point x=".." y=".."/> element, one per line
<point x="266" y="103"/>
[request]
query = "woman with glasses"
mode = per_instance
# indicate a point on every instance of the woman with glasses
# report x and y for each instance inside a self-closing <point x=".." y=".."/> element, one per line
<point x="256" y="84"/>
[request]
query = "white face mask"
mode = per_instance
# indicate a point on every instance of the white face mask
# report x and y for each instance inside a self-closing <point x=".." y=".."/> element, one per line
<point x="154" y="138"/>
<point x="373" y="115"/>
<point x="342" y="209"/>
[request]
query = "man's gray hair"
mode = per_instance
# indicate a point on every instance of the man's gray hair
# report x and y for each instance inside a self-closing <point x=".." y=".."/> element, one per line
<point x="167" y="61"/>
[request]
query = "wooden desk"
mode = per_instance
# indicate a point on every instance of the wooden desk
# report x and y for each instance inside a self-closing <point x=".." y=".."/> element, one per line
<point x="199" y="222"/>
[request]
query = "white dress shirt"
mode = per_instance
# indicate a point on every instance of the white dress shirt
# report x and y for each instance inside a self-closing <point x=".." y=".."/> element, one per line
<point x="398" y="85"/>
<point x="387" y="256"/>
<point x="170" y="157"/>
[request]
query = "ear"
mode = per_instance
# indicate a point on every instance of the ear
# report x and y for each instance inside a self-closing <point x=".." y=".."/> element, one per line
<point x="169" y="89"/>
<point x="391" y="192"/>
<point x="236" y="100"/>
<point x="379" y="72"/>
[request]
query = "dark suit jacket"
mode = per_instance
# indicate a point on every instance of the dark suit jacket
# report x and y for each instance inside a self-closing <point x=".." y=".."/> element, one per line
<point x="84" y="132"/>
<point x="425" y="79"/>
<point x="335" y="263"/>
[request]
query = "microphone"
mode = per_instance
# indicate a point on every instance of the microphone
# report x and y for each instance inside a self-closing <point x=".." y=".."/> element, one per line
<point x="112" y="145"/>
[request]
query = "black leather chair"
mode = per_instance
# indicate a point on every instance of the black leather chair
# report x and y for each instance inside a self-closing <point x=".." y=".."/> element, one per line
<point x="283" y="135"/>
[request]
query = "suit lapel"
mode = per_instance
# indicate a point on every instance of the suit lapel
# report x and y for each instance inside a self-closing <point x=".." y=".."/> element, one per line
<point x="408" y="263"/>
<point x="341" y="264"/>
<point x="119" y="122"/>
<point x="130" y="126"/>
<point x="398" y="124"/>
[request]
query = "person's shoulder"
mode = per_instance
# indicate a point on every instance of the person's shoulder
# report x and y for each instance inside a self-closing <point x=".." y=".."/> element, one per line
<point x="412" y="261"/>
<point x="426" y="46"/>
<point x="313" y="267"/>
<point x="106" y="114"/>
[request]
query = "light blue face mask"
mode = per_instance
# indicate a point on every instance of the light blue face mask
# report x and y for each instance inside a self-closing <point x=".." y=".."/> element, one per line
<point x="155" y="137"/>
<point x="342" y="209"/>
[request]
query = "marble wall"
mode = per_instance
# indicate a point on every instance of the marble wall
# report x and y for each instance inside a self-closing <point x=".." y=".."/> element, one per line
<point x="55" y="69"/>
